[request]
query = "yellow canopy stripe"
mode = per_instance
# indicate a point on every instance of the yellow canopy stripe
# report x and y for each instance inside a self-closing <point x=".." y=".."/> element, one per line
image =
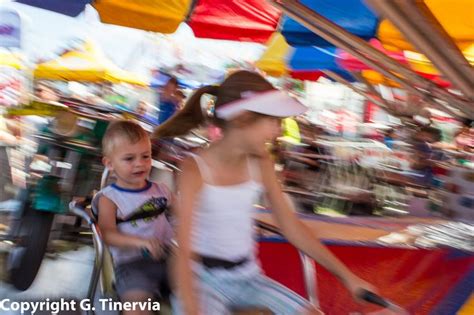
<point x="273" y="61"/>
<point x="375" y="77"/>
<point x="420" y="63"/>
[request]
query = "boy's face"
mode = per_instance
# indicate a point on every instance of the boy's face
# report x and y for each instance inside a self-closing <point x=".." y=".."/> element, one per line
<point x="131" y="162"/>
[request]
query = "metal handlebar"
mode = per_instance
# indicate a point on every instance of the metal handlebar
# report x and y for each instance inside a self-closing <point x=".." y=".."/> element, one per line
<point x="373" y="298"/>
<point x="104" y="178"/>
<point x="169" y="165"/>
<point x="80" y="212"/>
<point x="98" y="247"/>
<point x="309" y="271"/>
<point x="194" y="133"/>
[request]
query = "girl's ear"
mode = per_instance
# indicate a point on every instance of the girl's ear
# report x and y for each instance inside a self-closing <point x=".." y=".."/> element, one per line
<point x="107" y="163"/>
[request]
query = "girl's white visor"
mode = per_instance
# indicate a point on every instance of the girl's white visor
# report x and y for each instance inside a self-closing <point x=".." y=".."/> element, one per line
<point x="272" y="103"/>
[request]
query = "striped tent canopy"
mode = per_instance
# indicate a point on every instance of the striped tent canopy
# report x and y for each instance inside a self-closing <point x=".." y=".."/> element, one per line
<point x="255" y="20"/>
<point x="304" y="63"/>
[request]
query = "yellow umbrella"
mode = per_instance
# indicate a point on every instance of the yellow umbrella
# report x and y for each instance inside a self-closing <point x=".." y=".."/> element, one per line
<point x="273" y="61"/>
<point x="420" y="63"/>
<point x="88" y="65"/>
<point x="10" y="60"/>
<point x="374" y="77"/>
<point x="456" y="17"/>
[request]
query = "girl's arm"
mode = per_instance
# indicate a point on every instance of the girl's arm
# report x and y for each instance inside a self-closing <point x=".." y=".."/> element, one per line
<point x="112" y="236"/>
<point x="300" y="235"/>
<point x="189" y="183"/>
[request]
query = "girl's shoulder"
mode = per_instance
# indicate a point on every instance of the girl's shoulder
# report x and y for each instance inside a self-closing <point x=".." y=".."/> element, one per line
<point x="194" y="169"/>
<point x="194" y="160"/>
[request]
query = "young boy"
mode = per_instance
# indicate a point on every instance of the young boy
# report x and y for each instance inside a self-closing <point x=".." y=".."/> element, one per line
<point x="131" y="215"/>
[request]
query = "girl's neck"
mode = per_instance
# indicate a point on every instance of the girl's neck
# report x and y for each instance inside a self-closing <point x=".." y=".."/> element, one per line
<point x="228" y="150"/>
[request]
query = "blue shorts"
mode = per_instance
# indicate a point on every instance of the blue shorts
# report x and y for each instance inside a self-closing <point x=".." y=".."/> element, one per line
<point x="220" y="293"/>
<point x="145" y="275"/>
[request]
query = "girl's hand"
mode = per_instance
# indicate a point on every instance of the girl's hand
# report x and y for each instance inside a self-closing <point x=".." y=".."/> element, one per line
<point x="356" y="285"/>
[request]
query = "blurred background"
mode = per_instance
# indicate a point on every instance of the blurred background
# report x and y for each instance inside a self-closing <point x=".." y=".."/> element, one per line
<point x="383" y="160"/>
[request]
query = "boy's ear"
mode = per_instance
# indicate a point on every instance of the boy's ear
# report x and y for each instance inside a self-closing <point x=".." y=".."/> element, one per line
<point x="107" y="163"/>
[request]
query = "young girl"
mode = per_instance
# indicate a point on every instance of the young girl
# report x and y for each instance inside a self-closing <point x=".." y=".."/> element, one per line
<point x="217" y="269"/>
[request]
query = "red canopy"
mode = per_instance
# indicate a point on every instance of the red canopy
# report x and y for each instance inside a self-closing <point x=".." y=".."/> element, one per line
<point x="250" y="20"/>
<point x="351" y="63"/>
<point x="306" y="75"/>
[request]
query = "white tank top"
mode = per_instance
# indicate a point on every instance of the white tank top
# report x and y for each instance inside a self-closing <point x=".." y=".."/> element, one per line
<point x="223" y="217"/>
<point x="129" y="202"/>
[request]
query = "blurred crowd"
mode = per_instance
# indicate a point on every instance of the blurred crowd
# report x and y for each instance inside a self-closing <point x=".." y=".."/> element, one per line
<point x="421" y="141"/>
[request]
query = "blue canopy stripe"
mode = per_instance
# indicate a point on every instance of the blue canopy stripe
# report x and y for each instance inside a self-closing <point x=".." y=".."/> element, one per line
<point x="317" y="58"/>
<point x="66" y="7"/>
<point x="352" y="15"/>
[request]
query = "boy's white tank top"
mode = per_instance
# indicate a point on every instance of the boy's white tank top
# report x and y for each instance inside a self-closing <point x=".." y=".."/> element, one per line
<point x="129" y="202"/>
<point x="223" y="217"/>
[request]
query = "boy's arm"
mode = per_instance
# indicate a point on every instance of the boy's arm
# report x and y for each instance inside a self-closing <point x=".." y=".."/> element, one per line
<point x="108" y="227"/>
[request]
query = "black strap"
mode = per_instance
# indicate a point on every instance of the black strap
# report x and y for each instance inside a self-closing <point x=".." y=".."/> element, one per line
<point x="213" y="262"/>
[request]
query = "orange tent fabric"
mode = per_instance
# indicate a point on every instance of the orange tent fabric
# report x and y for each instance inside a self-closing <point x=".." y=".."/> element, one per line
<point x="155" y="16"/>
<point x="456" y="17"/>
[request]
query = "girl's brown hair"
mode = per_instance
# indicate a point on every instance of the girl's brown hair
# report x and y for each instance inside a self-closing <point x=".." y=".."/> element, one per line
<point x="231" y="89"/>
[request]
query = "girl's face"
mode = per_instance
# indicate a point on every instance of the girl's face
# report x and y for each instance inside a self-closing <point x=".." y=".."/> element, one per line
<point x="262" y="130"/>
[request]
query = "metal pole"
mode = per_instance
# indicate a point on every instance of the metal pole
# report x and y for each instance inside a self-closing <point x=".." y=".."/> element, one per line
<point x="374" y="100"/>
<point x="415" y="20"/>
<point x="390" y="107"/>
<point x="303" y="15"/>
<point x="104" y="178"/>
<point x="310" y="278"/>
<point x="351" y="43"/>
<point x="369" y="85"/>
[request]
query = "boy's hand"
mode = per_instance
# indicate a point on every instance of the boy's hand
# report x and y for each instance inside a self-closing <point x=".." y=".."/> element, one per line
<point x="154" y="247"/>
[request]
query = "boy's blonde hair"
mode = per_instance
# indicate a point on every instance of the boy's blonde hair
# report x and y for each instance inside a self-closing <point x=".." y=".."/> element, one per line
<point x="122" y="129"/>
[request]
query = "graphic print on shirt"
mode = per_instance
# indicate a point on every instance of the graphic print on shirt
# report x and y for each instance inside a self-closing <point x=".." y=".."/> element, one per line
<point x="153" y="205"/>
